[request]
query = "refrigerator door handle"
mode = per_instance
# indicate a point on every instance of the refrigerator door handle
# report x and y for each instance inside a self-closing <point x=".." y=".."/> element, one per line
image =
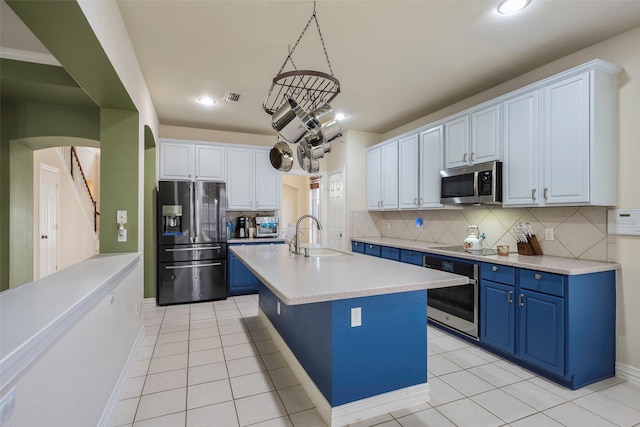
<point x="178" y="267"/>
<point x="192" y="249"/>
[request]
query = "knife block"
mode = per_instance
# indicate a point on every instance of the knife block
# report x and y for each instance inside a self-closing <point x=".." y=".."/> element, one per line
<point x="532" y="247"/>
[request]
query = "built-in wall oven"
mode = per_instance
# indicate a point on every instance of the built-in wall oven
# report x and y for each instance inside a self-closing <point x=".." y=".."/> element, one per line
<point x="455" y="307"/>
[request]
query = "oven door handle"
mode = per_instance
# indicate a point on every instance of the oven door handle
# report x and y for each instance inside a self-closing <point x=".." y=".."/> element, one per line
<point x="176" y="267"/>
<point x="192" y="249"/>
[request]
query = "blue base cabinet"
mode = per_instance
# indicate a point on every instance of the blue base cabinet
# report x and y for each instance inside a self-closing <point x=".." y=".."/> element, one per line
<point x="241" y="280"/>
<point x="562" y="327"/>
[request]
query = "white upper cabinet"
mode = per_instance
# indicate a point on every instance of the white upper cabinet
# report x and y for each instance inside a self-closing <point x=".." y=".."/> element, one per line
<point x="382" y="176"/>
<point x="409" y="160"/>
<point x="210" y="163"/>
<point x="457" y="142"/>
<point x="520" y="166"/>
<point x="431" y="145"/>
<point x="176" y="161"/>
<point x="560" y="140"/>
<point x="473" y="138"/>
<point x="485" y="135"/>
<point x="268" y="182"/>
<point x="252" y="183"/>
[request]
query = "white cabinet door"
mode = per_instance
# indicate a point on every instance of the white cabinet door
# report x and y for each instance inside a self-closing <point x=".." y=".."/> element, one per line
<point x="408" y="172"/>
<point x="374" y="181"/>
<point x="210" y="163"/>
<point x="431" y="145"/>
<point x="176" y="160"/>
<point x="390" y="175"/>
<point x="485" y="135"/>
<point x="521" y="162"/>
<point x="240" y="178"/>
<point x="566" y="141"/>
<point x="457" y="142"/>
<point x="267" y="184"/>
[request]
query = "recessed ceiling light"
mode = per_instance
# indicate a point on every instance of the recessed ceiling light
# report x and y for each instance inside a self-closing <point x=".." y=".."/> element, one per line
<point x="205" y="100"/>
<point x="509" y="7"/>
<point x="340" y="116"/>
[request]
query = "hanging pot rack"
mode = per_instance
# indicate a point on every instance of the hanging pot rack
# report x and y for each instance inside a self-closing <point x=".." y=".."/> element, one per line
<point x="311" y="89"/>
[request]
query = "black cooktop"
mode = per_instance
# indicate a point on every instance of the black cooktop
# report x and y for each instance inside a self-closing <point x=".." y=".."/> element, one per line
<point x="460" y="249"/>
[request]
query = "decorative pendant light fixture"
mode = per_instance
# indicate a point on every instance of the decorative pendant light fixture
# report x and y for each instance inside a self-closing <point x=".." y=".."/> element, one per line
<point x="298" y="102"/>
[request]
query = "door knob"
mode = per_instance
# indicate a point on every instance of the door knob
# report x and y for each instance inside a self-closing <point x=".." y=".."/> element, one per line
<point x="44" y="236"/>
<point x="338" y="234"/>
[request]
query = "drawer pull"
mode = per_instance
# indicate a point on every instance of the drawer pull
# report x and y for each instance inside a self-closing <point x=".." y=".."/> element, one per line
<point x="494" y="268"/>
<point x="538" y="276"/>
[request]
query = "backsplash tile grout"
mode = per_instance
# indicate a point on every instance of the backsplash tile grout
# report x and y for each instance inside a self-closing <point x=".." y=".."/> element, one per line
<point x="579" y="232"/>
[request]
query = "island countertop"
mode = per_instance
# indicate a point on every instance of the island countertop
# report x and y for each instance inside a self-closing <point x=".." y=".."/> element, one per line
<point x="297" y="279"/>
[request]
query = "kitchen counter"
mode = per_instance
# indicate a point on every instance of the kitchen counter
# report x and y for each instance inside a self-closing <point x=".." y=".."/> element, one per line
<point x="551" y="264"/>
<point x="255" y="240"/>
<point x="299" y="280"/>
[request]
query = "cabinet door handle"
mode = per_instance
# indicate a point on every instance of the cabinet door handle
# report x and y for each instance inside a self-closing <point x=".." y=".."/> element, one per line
<point x="533" y="194"/>
<point x="521" y="300"/>
<point x="420" y="201"/>
<point x="546" y="190"/>
<point x="510" y="297"/>
<point x="538" y="276"/>
<point x="415" y="201"/>
<point x="464" y="158"/>
<point x="472" y="157"/>
<point x="494" y="268"/>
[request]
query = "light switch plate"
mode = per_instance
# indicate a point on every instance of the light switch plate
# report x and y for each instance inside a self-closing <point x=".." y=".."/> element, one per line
<point x="356" y="317"/>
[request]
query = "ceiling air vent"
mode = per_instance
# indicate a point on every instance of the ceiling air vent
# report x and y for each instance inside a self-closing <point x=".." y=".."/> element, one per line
<point x="231" y="97"/>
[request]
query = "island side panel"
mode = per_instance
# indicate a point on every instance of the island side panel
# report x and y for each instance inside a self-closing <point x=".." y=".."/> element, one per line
<point x="306" y="329"/>
<point x="387" y="352"/>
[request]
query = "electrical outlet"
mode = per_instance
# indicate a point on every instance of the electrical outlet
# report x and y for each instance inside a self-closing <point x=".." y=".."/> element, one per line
<point x="548" y="234"/>
<point x="356" y="317"/>
<point x="121" y="217"/>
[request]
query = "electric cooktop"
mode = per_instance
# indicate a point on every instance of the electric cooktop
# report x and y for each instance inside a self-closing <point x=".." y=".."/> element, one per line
<point x="460" y="249"/>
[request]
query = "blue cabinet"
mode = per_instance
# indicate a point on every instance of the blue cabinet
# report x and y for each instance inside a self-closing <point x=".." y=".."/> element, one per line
<point x="357" y="247"/>
<point x="241" y="280"/>
<point x="374" y="250"/>
<point x="497" y="316"/>
<point x="411" y="257"/>
<point x="390" y="253"/>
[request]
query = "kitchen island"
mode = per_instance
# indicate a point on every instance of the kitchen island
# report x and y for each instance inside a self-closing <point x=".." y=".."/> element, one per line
<point x="352" y="327"/>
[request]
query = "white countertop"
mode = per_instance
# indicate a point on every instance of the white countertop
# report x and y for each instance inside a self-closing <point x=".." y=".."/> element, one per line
<point x="551" y="264"/>
<point x="35" y="309"/>
<point x="296" y="279"/>
<point x="255" y="240"/>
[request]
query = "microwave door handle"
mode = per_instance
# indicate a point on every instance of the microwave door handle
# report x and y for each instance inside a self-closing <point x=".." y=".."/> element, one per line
<point x="475" y="184"/>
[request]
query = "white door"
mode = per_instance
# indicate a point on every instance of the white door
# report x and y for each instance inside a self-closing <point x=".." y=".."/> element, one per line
<point x="48" y="220"/>
<point x="336" y="210"/>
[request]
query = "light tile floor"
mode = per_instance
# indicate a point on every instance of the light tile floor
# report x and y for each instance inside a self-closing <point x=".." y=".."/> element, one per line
<point x="214" y="364"/>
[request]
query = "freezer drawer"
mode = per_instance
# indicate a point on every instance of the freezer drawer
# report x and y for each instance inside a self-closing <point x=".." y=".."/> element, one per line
<point x="180" y="253"/>
<point x="184" y="282"/>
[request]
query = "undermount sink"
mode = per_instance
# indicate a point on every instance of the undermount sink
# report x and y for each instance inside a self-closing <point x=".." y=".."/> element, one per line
<point x="325" y="252"/>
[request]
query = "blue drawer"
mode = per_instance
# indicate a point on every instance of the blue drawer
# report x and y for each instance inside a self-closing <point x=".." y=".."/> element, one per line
<point x="374" y="250"/>
<point x="357" y="247"/>
<point x="411" y="257"/>
<point x="390" y="253"/>
<point x="498" y="273"/>
<point x="548" y="283"/>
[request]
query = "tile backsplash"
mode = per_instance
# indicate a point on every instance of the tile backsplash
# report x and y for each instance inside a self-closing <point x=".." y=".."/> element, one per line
<point x="579" y="232"/>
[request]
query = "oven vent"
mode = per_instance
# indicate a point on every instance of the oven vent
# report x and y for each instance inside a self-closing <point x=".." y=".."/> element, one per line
<point x="231" y="97"/>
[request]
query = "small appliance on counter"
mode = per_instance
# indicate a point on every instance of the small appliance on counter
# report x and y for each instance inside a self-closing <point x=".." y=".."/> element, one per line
<point x="267" y="226"/>
<point x="242" y="227"/>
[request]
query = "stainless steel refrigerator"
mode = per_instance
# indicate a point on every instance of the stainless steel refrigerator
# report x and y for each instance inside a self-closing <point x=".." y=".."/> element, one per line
<point x="192" y="242"/>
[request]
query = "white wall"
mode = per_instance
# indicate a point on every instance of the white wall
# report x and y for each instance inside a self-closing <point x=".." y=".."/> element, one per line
<point x="75" y="239"/>
<point x="211" y="135"/>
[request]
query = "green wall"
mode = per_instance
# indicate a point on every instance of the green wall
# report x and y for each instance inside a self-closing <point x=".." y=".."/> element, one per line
<point x="118" y="178"/>
<point x="150" y="194"/>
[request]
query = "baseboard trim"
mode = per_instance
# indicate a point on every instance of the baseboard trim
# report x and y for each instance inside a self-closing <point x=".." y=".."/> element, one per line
<point x="629" y="373"/>
<point x="351" y="412"/>
<point x="124" y="375"/>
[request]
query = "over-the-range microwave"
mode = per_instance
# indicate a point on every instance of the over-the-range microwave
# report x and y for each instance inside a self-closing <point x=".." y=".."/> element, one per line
<point x="475" y="184"/>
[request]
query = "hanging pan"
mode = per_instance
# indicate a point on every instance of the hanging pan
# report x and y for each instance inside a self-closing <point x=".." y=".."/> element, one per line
<point x="281" y="156"/>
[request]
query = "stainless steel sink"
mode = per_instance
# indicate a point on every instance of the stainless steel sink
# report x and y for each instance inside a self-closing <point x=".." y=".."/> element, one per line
<point x="317" y="252"/>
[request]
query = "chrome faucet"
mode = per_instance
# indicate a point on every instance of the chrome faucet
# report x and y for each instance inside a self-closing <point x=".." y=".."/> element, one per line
<point x="295" y="238"/>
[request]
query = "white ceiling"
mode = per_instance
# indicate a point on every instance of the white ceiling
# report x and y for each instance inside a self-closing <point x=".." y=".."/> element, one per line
<point x="396" y="60"/>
